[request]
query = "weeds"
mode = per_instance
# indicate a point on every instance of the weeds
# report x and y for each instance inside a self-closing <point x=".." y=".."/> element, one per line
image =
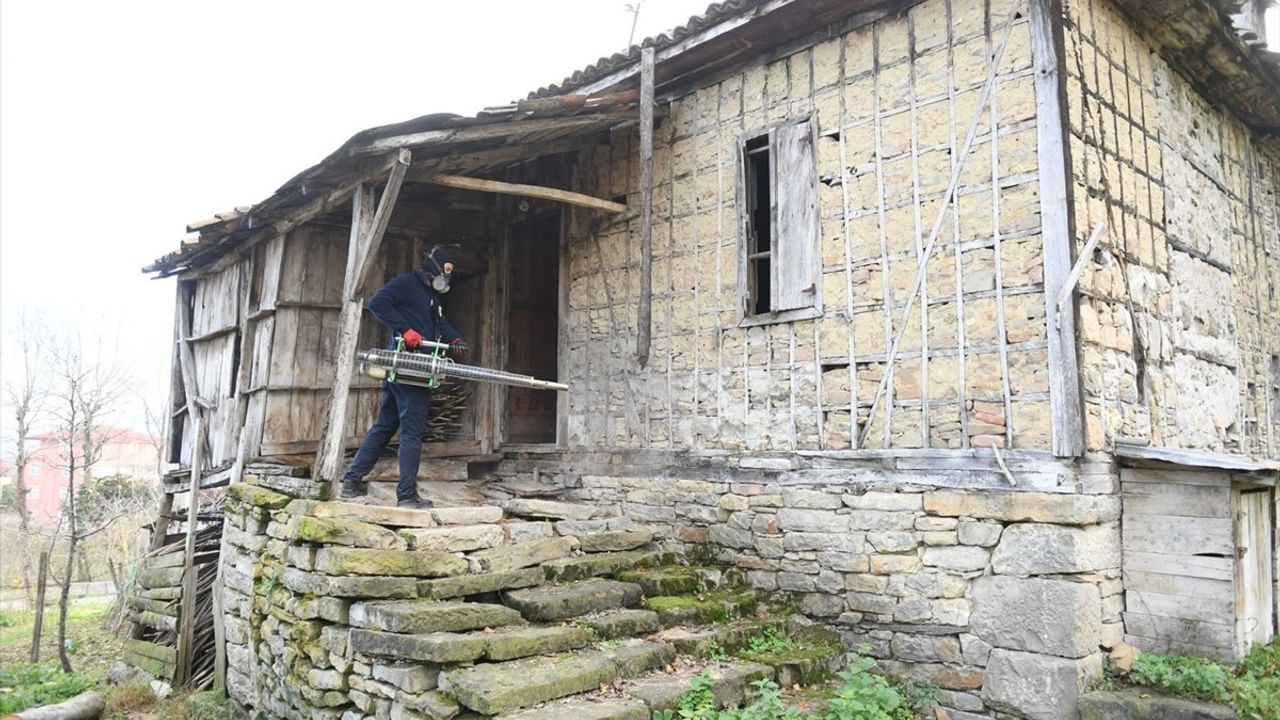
<point x="770" y="642"/>
<point x="1252" y="687"/>
<point x="24" y="685"/>
<point x="861" y="695"/>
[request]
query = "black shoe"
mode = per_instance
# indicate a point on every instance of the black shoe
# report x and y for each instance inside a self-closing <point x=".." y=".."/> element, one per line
<point x="415" y="503"/>
<point x="353" y="490"/>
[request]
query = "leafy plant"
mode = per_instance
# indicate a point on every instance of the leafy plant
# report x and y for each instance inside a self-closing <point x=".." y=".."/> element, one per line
<point x="717" y="653"/>
<point x="5" y="620"/>
<point x="770" y="642"/>
<point x="863" y="695"/>
<point x="698" y="703"/>
<point x="1183" y="675"/>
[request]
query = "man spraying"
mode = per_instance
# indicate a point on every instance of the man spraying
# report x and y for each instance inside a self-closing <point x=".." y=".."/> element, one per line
<point x="410" y="307"/>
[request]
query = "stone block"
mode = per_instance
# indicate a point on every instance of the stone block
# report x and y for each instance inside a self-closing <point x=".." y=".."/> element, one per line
<point x="1014" y="506"/>
<point x="635" y="657"/>
<point x="352" y="533"/>
<point x="456" y="538"/>
<point x="614" y="541"/>
<point x="1054" y="617"/>
<point x="1139" y="704"/>
<point x="926" y="648"/>
<point x="892" y="542"/>
<point x="439" y="647"/>
<point x="958" y="558"/>
<point x="426" y="616"/>
<point x="409" y="677"/>
<point x="373" y="514"/>
<point x="551" y="509"/>
<point x="566" y="601"/>
<point x="809" y="499"/>
<point x="463" y="585"/>
<point x="820" y="521"/>
<point x="1038" y="686"/>
<point x="827" y="542"/>
<point x="484" y="514"/>
<point x="258" y="497"/>
<point x="581" y="568"/>
<point x="982" y="534"/>
<point x="585" y="709"/>
<point x="1034" y="549"/>
<point x="367" y="561"/>
<point x="730" y="537"/>
<point x="884" y="501"/>
<point x="523" y="642"/>
<point x="870" y="603"/>
<point x="492" y="688"/>
<point x="530" y="552"/>
<point x="306" y="583"/>
<point x="622" y="623"/>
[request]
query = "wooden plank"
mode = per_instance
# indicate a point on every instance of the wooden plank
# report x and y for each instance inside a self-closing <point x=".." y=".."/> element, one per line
<point x="1175" y="480"/>
<point x="1056" y="219"/>
<point x="534" y="191"/>
<point x="163" y="653"/>
<point x="645" y="312"/>
<point x="1178" y="606"/>
<point x="1158" y="628"/>
<point x="1255" y="598"/>
<point x="1178" y="535"/>
<point x="189" y="368"/>
<point x="159" y="668"/>
<point x="1168" y="584"/>
<point x="796" y="253"/>
<point x="1195" y="458"/>
<point x="1180" y="500"/>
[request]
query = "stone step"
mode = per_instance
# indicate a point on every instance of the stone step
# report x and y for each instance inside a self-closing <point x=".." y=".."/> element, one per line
<point x="731" y="683"/>
<point x="705" y="641"/>
<point x="455" y="538"/>
<point x="604" y="563"/>
<point x="445" y="647"/>
<point x="666" y="580"/>
<point x="621" y="623"/>
<point x="429" y="616"/>
<point x="557" y="602"/>
<point x="463" y="585"/>
<point x="706" y="609"/>
<point x="493" y="688"/>
<point x="554" y="509"/>
<point x="479" y="515"/>
<point x="581" y="708"/>
<point x="522" y="554"/>
<point x="817" y="655"/>
<point x="369" y="513"/>
<point x="614" y="541"/>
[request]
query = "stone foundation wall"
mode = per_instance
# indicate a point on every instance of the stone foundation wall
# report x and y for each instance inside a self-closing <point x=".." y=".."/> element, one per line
<point x="1005" y="600"/>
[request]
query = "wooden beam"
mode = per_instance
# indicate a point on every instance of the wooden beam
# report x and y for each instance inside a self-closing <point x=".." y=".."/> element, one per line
<point x="328" y="463"/>
<point x="489" y="132"/>
<point x="187" y="613"/>
<point x="188" y="362"/>
<point x="1056" y="218"/>
<point x="534" y="191"/>
<point x="645" y="318"/>
<point x="373" y="242"/>
<point x="455" y="162"/>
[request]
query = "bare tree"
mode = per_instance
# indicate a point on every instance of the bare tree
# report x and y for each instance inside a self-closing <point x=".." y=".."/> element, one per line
<point x="87" y="391"/>
<point x="26" y="396"/>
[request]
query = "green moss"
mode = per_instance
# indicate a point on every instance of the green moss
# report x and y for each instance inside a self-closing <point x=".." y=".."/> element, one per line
<point x="713" y="607"/>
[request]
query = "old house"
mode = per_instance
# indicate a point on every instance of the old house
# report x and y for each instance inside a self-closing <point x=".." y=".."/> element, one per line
<point x="957" y="321"/>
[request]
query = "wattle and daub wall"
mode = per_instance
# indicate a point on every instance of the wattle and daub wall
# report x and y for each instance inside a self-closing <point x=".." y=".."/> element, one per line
<point x="1178" y="308"/>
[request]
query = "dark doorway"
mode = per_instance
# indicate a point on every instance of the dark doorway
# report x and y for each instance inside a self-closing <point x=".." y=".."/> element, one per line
<point x="533" y="322"/>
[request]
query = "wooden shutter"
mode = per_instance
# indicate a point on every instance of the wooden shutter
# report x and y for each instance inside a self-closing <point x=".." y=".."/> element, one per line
<point x="795" y="217"/>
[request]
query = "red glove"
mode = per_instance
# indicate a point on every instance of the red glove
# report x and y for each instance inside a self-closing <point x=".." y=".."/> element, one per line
<point x="458" y="348"/>
<point x="412" y="339"/>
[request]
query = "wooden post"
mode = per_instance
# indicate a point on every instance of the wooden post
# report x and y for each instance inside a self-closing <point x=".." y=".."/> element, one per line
<point x="645" y="317"/>
<point x="367" y="228"/>
<point x="42" y="583"/>
<point x="534" y="191"/>
<point x="187" y="608"/>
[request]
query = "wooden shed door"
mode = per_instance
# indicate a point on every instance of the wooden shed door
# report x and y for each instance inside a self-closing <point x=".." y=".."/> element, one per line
<point x="533" y="322"/>
<point x="1255" y="598"/>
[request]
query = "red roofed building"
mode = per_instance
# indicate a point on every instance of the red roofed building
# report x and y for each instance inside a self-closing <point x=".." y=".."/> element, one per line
<point x="125" y="452"/>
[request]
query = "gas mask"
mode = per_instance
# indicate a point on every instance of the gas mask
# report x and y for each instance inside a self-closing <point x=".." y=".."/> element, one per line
<point x="433" y="265"/>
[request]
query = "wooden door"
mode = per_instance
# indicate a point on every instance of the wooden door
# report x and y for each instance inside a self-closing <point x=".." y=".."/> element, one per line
<point x="1255" y="591"/>
<point x="533" y="328"/>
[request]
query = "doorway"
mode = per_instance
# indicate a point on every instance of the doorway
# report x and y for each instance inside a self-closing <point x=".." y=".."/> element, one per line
<point x="533" y="328"/>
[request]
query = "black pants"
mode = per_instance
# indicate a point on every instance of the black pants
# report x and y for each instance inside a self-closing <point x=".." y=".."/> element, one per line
<point x="404" y="408"/>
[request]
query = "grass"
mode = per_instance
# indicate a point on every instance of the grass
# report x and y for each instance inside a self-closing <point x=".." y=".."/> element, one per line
<point x="91" y="646"/>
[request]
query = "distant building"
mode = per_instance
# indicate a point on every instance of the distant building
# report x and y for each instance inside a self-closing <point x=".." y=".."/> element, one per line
<point x="125" y="452"/>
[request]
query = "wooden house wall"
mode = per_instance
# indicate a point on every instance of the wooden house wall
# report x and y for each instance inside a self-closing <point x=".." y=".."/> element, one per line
<point x="214" y="340"/>
<point x="1180" y="306"/>
<point x="894" y="100"/>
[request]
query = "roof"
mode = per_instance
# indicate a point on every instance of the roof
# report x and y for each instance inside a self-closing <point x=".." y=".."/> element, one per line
<point x="1196" y="36"/>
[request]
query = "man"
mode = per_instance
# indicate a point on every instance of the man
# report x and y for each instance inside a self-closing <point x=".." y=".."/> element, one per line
<point x="410" y="307"/>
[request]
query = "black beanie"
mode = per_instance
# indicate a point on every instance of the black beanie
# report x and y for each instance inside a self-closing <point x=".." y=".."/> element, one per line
<point x="441" y="254"/>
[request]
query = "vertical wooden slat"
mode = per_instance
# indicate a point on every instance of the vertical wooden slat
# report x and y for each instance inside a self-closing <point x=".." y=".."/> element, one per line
<point x="961" y="356"/>
<point x="796" y="259"/>
<point x="187" y="611"/>
<point x="1002" y="343"/>
<point x="645" y="319"/>
<point x="1057" y="221"/>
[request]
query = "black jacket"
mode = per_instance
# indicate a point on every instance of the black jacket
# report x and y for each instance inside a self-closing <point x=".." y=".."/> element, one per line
<point x="406" y="302"/>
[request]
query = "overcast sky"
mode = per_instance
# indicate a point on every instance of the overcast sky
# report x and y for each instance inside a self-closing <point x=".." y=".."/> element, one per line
<point x="121" y="122"/>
